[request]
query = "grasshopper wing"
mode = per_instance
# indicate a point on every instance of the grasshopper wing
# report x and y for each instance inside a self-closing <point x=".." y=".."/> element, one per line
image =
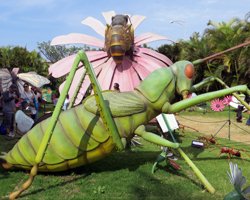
<point x="121" y="104"/>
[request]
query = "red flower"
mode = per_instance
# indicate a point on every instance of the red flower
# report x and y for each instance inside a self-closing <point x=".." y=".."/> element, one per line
<point x="226" y="101"/>
<point x="217" y="105"/>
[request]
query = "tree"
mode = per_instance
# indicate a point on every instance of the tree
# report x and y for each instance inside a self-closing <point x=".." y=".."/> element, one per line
<point x="171" y="51"/>
<point x="232" y="67"/>
<point x="223" y="36"/>
<point x="20" y="57"/>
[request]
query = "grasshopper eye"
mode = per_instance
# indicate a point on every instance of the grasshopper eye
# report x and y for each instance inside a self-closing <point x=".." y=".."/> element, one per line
<point x="189" y="71"/>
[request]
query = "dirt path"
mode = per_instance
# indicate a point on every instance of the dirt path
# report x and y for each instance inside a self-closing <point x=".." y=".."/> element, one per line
<point x="207" y="125"/>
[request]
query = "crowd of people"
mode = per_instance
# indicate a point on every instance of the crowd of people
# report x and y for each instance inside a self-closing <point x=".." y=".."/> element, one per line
<point x="12" y="100"/>
<point x="28" y="101"/>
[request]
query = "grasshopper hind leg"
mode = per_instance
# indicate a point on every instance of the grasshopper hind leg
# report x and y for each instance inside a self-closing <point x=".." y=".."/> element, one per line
<point x="153" y="138"/>
<point x="3" y="162"/>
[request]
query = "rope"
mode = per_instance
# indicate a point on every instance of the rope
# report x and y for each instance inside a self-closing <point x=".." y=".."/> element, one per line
<point x="241" y="128"/>
<point x="202" y="121"/>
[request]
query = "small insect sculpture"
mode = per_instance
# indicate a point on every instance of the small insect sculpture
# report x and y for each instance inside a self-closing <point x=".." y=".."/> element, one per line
<point x="237" y="180"/>
<point x="80" y="136"/>
<point x="230" y="152"/>
<point x="119" y="38"/>
<point x="8" y="78"/>
<point x="207" y="140"/>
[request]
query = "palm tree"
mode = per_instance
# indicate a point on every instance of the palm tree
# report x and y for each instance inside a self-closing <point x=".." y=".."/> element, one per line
<point x="223" y="36"/>
<point x="244" y="59"/>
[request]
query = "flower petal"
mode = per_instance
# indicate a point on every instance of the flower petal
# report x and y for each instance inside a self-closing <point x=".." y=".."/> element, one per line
<point x="95" y="24"/>
<point x="154" y="54"/>
<point x="217" y="105"/>
<point x="141" y="70"/>
<point x="148" y="63"/>
<point x="148" y="37"/>
<point x="106" y="75"/>
<point x="63" y="66"/>
<point x="77" y="38"/>
<point x="75" y="82"/>
<point x="123" y="77"/>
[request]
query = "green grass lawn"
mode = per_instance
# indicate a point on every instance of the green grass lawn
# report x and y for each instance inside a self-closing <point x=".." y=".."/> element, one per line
<point x="127" y="175"/>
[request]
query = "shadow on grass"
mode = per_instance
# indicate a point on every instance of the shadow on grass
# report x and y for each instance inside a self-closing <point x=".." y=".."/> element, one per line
<point x="179" y="173"/>
<point x="52" y="187"/>
<point x="193" y="152"/>
<point x="115" y="162"/>
<point x="3" y="174"/>
<point x="120" y="160"/>
<point x="159" y="190"/>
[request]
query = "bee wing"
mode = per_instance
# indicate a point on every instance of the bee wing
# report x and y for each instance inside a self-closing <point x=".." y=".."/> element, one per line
<point x="77" y="38"/>
<point x="246" y="192"/>
<point x="148" y="37"/>
<point x="136" y="20"/>
<point x="108" y="16"/>
<point x="34" y="79"/>
<point x="24" y="122"/>
<point x="5" y="80"/>
<point x="236" y="177"/>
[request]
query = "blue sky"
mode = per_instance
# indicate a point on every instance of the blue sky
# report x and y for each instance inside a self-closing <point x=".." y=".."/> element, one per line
<point x="27" y="22"/>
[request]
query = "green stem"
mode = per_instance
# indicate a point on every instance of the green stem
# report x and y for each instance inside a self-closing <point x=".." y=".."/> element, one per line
<point x="197" y="172"/>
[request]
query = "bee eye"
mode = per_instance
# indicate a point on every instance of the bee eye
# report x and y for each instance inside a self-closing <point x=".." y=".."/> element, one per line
<point x="189" y="71"/>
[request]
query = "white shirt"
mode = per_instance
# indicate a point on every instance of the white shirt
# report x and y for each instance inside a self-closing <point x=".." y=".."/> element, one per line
<point x="65" y="104"/>
<point x="29" y="96"/>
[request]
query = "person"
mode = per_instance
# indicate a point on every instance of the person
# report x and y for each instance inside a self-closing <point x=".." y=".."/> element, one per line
<point x="38" y="99"/>
<point x="9" y="108"/>
<point x="248" y="120"/>
<point x="239" y="113"/>
<point x="28" y="98"/>
<point x="247" y="99"/>
<point x="38" y="94"/>
<point x="190" y="96"/>
<point x="116" y="87"/>
<point x="1" y="104"/>
<point x="66" y="103"/>
<point x="55" y="97"/>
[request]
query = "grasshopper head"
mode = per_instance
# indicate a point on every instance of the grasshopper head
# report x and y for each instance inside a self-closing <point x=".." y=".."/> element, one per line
<point x="184" y="72"/>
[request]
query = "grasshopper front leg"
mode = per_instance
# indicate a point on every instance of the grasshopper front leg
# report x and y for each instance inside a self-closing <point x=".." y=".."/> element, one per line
<point x="179" y="106"/>
<point x="213" y="79"/>
<point x="152" y="137"/>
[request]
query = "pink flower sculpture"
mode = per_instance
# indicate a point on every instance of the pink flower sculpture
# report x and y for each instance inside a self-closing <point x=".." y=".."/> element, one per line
<point x="217" y="105"/>
<point x="227" y="100"/>
<point x="127" y="74"/>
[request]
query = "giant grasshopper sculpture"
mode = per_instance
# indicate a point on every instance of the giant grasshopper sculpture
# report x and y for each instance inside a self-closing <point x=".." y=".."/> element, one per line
<point x="99" y="123"/>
